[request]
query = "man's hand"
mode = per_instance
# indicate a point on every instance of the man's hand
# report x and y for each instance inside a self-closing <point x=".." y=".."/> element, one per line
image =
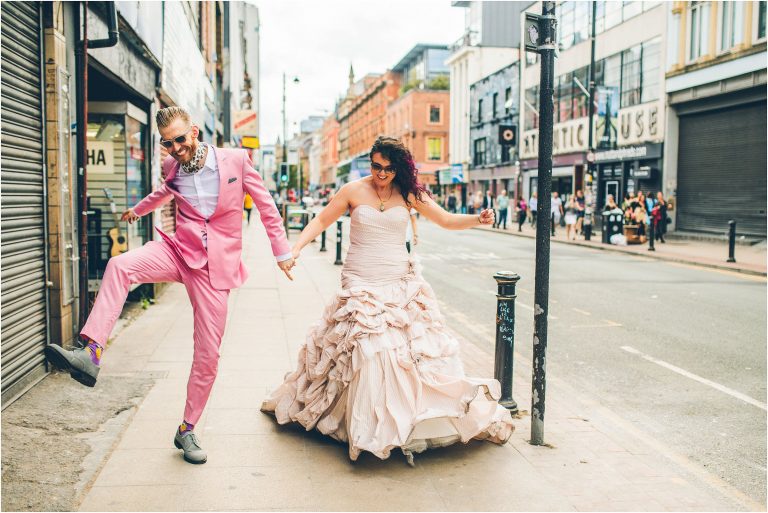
<point x="130" y="216"/>
<point x="286" y="266"/>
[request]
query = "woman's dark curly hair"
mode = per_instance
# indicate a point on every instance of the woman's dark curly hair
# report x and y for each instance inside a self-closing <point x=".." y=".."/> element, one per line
<point x="401" y="160"/>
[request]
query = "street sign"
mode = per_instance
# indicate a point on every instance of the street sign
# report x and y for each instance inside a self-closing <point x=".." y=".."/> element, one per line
<point x="531" y="32"/>
<point x="250" y="142"/>
<point x="508" y="135"/>
<point x="245" y="122"/>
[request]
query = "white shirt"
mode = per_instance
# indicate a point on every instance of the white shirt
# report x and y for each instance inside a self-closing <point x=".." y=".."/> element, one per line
<point x="556" y="203"/>
<point x="201" y="190"/>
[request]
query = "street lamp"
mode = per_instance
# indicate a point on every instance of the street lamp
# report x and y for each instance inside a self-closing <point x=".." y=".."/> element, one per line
<point x="285" y="127"/>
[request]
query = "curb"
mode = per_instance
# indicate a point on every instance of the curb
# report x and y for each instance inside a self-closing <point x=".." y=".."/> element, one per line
<point x="651" y="255"/>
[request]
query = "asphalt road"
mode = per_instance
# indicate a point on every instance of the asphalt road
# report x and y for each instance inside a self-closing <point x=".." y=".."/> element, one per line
<point x="677" y="350"/>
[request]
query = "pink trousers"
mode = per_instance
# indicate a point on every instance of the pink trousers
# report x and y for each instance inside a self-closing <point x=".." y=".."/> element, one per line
<point x="157" y="262"/>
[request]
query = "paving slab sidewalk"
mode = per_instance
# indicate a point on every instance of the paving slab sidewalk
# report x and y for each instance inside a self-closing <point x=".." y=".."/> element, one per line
<point x="749" y="259"/>
<point x="595" y="460"/>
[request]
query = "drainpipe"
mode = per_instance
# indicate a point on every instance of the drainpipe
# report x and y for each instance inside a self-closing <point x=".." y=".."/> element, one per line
<point x="81" y="63"/>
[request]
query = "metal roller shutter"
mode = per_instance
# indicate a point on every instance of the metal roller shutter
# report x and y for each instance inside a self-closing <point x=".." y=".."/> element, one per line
<point x="23" y="303"/>
<point x="721" y="170"/>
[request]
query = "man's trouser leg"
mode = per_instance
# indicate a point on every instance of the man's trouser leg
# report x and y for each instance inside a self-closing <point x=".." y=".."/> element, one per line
<point x="152" y="263"/>
<point x="210" y="310"/>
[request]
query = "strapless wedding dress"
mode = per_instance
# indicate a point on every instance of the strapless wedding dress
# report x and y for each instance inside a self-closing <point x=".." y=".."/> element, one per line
<point x="380" y="371"/>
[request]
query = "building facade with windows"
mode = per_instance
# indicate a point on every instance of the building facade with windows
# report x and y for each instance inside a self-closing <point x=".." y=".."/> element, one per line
<point x="494" y="123"/>
<point x="715" y="85"/>
<point x="629" y="117"/>
<point x="420" y="118"/>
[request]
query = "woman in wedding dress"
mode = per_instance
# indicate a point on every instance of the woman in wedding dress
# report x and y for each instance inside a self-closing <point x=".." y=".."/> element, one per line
<point x="380" y="371"/>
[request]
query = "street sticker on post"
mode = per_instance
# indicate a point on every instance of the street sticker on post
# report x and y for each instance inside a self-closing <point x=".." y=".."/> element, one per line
<point x="531" y="32"/>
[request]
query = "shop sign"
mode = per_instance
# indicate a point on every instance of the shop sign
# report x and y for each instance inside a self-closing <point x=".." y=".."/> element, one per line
<point x="640" y="123"/>
<point x="245" y="122"/>
<point x="250" y="142"/>
<point x="100" y="157"/>
<point x="568" y="137"/>
<point x="642" y="172"/>
<point x="457" y="173"/>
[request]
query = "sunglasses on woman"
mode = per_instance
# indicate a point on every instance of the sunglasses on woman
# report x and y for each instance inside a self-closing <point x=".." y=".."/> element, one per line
<point x="179" y="140"/>
<point x="376" y="167"/>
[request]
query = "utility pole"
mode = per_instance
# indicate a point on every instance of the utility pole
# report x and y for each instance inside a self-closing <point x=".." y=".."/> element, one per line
<point x="285" y="135"/>
<point x="541" y="38"/>
<point x="589" y="178"/>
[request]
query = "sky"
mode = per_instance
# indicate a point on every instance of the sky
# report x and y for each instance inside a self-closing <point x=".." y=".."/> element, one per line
<point x="316" y="41"/>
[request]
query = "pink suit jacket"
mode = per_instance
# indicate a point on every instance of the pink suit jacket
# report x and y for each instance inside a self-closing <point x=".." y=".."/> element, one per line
<point x="225" y="226"/>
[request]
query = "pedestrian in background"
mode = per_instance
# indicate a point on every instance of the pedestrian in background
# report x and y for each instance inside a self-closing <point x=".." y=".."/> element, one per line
<point x="522" y="211"/>
<point x="452" y="203"/>
<point x="533" y="205"/>
<point x="659" y="213"/>
<point x="581" y="207"/>
<point x="640" y="214"/>
<point x="489" y="203"/>
<point x="502" y="203"/>
<point x="571" y="213"/>
<point x="477" y="204"/>
<point x="248" y="206"/>
<point x="557" y="210"/>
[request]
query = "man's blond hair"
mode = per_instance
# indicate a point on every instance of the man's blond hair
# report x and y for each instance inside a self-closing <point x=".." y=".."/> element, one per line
<point x="166" y="116"/>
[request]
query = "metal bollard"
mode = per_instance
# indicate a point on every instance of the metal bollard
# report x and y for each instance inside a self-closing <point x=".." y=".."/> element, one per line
<point x="505" y="336"/>
<point x="651" y="235"/>
<point x="322" y="242"/>
<point x="731" y="241"/>
<point x="586" y="226"/>
<point x="338" y="244"/>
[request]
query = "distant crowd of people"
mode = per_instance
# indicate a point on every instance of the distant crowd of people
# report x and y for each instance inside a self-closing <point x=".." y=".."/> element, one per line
<point x="640" y="210"/>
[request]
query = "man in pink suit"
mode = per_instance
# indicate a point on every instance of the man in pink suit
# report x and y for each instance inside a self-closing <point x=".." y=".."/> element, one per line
<point x="209" y="185"/>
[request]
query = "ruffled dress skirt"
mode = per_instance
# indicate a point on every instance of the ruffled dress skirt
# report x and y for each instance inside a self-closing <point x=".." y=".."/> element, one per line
<point x="380" y="372"/>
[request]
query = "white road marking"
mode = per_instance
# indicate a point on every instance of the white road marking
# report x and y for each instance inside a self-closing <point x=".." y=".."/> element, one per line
<point x="580" y="311"/>
<point x="683" y="372"/>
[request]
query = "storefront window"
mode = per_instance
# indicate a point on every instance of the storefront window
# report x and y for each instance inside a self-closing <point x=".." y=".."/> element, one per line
<point x="117" y="177"/>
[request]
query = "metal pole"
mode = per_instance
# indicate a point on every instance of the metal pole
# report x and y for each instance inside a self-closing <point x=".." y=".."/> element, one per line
<point x="322" y="242"/>
<point x="731" y="241"/>
<point x="590" y="202"/>
<point x="541" y="294"/>
<point x="651" y="236"/>
<point x="338" y="244"/>
<point x="81" y="58"/>
<point x="505" y="336"/>
<point x="285" y="146"/>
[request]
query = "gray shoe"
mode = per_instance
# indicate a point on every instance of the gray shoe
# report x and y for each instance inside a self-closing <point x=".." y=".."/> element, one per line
<point x="77" y="361"/>
<point x="191" y="447"/>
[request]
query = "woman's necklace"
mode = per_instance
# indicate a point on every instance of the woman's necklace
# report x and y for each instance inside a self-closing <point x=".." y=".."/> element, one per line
<point x="381" y="201"/>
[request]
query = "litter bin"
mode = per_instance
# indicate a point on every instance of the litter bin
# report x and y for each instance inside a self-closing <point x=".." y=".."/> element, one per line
<point x="612" y="224"/>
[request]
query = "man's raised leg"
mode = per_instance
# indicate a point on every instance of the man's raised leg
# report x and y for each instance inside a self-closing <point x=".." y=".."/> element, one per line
<point x="154" y="262"/>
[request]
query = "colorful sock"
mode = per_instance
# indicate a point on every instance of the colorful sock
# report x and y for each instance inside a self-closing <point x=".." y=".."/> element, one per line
<point x="186" y="427"/>
<point x="95" y="349"/>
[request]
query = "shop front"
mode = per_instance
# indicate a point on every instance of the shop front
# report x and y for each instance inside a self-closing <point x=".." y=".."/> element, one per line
<point x="567" y="175"/>
<point x="628" y="170"/>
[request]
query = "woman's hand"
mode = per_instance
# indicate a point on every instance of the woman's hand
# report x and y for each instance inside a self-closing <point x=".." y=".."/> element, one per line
<point x="295" y="252"/>
<point x="487" y="216"/>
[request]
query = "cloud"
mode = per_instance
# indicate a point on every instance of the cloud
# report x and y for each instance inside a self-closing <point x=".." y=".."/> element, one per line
<point x="317" y="41"/>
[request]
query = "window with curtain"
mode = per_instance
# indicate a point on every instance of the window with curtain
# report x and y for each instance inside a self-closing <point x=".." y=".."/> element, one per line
<point x="731" y="25"/>
<point x="434" y="148"/>
<point x="698" y="32"/>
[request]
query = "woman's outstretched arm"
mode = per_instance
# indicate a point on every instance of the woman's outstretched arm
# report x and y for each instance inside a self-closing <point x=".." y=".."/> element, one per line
<point x="432" y="211"/>
<point x="335" y="209"/>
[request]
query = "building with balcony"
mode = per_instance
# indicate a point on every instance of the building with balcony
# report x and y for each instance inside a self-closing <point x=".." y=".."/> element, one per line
<point x="715" y="148"/>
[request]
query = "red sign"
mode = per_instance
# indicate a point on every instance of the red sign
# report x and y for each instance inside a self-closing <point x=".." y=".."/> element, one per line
<point x="245" y="121"/>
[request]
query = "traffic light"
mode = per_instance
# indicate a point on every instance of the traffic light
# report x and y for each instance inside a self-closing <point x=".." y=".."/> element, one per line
<point x="284" y="173"/>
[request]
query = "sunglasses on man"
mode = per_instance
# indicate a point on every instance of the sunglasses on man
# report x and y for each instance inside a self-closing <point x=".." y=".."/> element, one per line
<point x="168" y="143"/>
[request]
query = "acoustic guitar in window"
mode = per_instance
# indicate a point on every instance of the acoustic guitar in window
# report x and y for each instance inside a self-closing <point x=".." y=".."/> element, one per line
<point x="118" y="244"/>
